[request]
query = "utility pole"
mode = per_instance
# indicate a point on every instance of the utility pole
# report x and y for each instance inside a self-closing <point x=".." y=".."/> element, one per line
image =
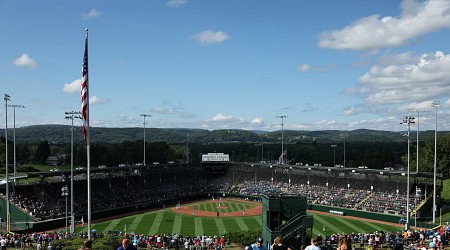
<point x="8" y="215"/>
<point x="436" y="105"/>
<point x="14" y="136"/>
<point x="408" y="120"/>
<point x="144" y="115"/>
<point x="282" y="137"/>
<point x="72" y="115"/>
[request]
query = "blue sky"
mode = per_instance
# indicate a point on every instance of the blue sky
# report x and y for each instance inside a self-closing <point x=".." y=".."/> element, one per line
<point x="229" y="64"/>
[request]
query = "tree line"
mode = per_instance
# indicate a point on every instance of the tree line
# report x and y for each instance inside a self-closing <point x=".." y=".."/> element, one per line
<point x="376" y="154"/>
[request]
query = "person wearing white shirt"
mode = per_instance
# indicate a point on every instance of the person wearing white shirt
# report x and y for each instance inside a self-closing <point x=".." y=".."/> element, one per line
<point x="3" y="243"/>
<point x="313" y="245"/>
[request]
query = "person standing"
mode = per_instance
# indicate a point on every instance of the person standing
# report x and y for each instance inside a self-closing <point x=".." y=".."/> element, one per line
<point x="258" y="245"/>
<point x="3" y="243"/>
<point x="126" y="245"/>
<point x="313" y="245"/>
<point x="87" y="245"/>
<point x="278" y="245"/>
<point x="344" y="243"/>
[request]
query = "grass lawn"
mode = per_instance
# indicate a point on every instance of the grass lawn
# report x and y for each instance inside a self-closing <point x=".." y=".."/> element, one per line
<point x="166" y="221"/>
<point x="445" y="195"/>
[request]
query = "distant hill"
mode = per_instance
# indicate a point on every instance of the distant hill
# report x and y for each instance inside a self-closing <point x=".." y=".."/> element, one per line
<point x="60" y="134"/>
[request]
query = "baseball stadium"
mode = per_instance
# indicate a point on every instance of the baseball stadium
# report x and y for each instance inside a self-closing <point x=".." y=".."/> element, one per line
<point x="239" y="202"/>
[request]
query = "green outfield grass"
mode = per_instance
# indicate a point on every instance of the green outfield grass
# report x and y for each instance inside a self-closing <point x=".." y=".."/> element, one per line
<point x="445" y="194"/>
<point x="166" y="221"/>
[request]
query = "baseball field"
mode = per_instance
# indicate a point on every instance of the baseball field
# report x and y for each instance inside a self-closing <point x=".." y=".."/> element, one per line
<point x="213" y="217"/>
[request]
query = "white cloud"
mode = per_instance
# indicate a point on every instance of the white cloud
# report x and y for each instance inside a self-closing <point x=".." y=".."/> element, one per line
<point x="427" y="79"/>
<point x="176" y="3"/>
<point x="209" y="37"/>
<point x="165" y="111"/>
<point x="96" y="100"/>
<point x="349" y="111"/>
<point x="304" y="68"/>
<point x="73" y="87"/>
<point x="91" y="14"/>
<point x="222" y="121"/>
<point x="447" y="103"/>
<point x="425" y="105"/>
<point x="221" y="117"/>
<point x="25" y="61"/>
<point x="374" y="32"/>
<point x="298" y="126"/>
<point x="257" y="121"/>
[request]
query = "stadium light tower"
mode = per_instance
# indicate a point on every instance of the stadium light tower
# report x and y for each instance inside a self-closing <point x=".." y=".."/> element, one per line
<point x="187" y="148"/>
<point x="282" y="137"/>
<point x="407" y="120"/>
<point x="144" y="115"/>
<point x="14" y="136"/>
<point x="334" y="154"/>
<point x="344" y="136"/>
<point x="436" y="105"/>
<point x="65" y="193"/>
<point x="8" y="217"/>
<point x="417" y="140"/>
<point x="72" y="115"/>
<point x="272" y="174"/>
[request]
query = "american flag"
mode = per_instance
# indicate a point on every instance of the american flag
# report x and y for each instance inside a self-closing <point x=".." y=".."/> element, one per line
<point x="84" y="90"/>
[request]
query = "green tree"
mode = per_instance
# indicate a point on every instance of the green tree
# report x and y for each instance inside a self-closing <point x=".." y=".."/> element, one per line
<point x="42" y="152"/>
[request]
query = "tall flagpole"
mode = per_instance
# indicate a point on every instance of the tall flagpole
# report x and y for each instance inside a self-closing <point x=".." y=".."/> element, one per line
<point x="88" y="148"/>
<point x="8" y="215"/>
<point x="85" y="116"/>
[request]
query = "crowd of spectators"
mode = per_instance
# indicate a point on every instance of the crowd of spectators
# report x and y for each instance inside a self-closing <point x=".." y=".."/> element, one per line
<point x="109" y="190"/>
<point x="47" y="240"/>
<point x="351" y="191"/>
<point x="414" y="240"/>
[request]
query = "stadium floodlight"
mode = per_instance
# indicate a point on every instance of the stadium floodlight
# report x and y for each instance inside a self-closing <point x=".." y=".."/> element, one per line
<point x="334" y="154"/>
<point x="436" y="105"/>
<point x="187" y="148"/>
<point x="407" y="120"/>
<point x="65" y="193"/>
<point x="72" y="115"/>
<point x="417" y="140"/>
<point x="144" y="115"/>
<point x="8" y="215"/>
<point x="344" y="136"/>
<point x="289" y="187"/>
<point x="272" y="173"/>
<point x="282" y="138"/>
<point x="14" y="136"/>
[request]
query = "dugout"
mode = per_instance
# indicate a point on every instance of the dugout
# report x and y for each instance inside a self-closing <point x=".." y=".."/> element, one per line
<point x="286" y="216"/>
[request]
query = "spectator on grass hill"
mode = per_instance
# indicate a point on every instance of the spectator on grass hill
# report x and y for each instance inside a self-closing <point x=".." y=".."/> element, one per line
<point x="87" y="245"/>
<point x="126" y="245"/>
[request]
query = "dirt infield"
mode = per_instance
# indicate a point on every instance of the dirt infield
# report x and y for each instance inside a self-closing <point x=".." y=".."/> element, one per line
<point x="187" y="210"/>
